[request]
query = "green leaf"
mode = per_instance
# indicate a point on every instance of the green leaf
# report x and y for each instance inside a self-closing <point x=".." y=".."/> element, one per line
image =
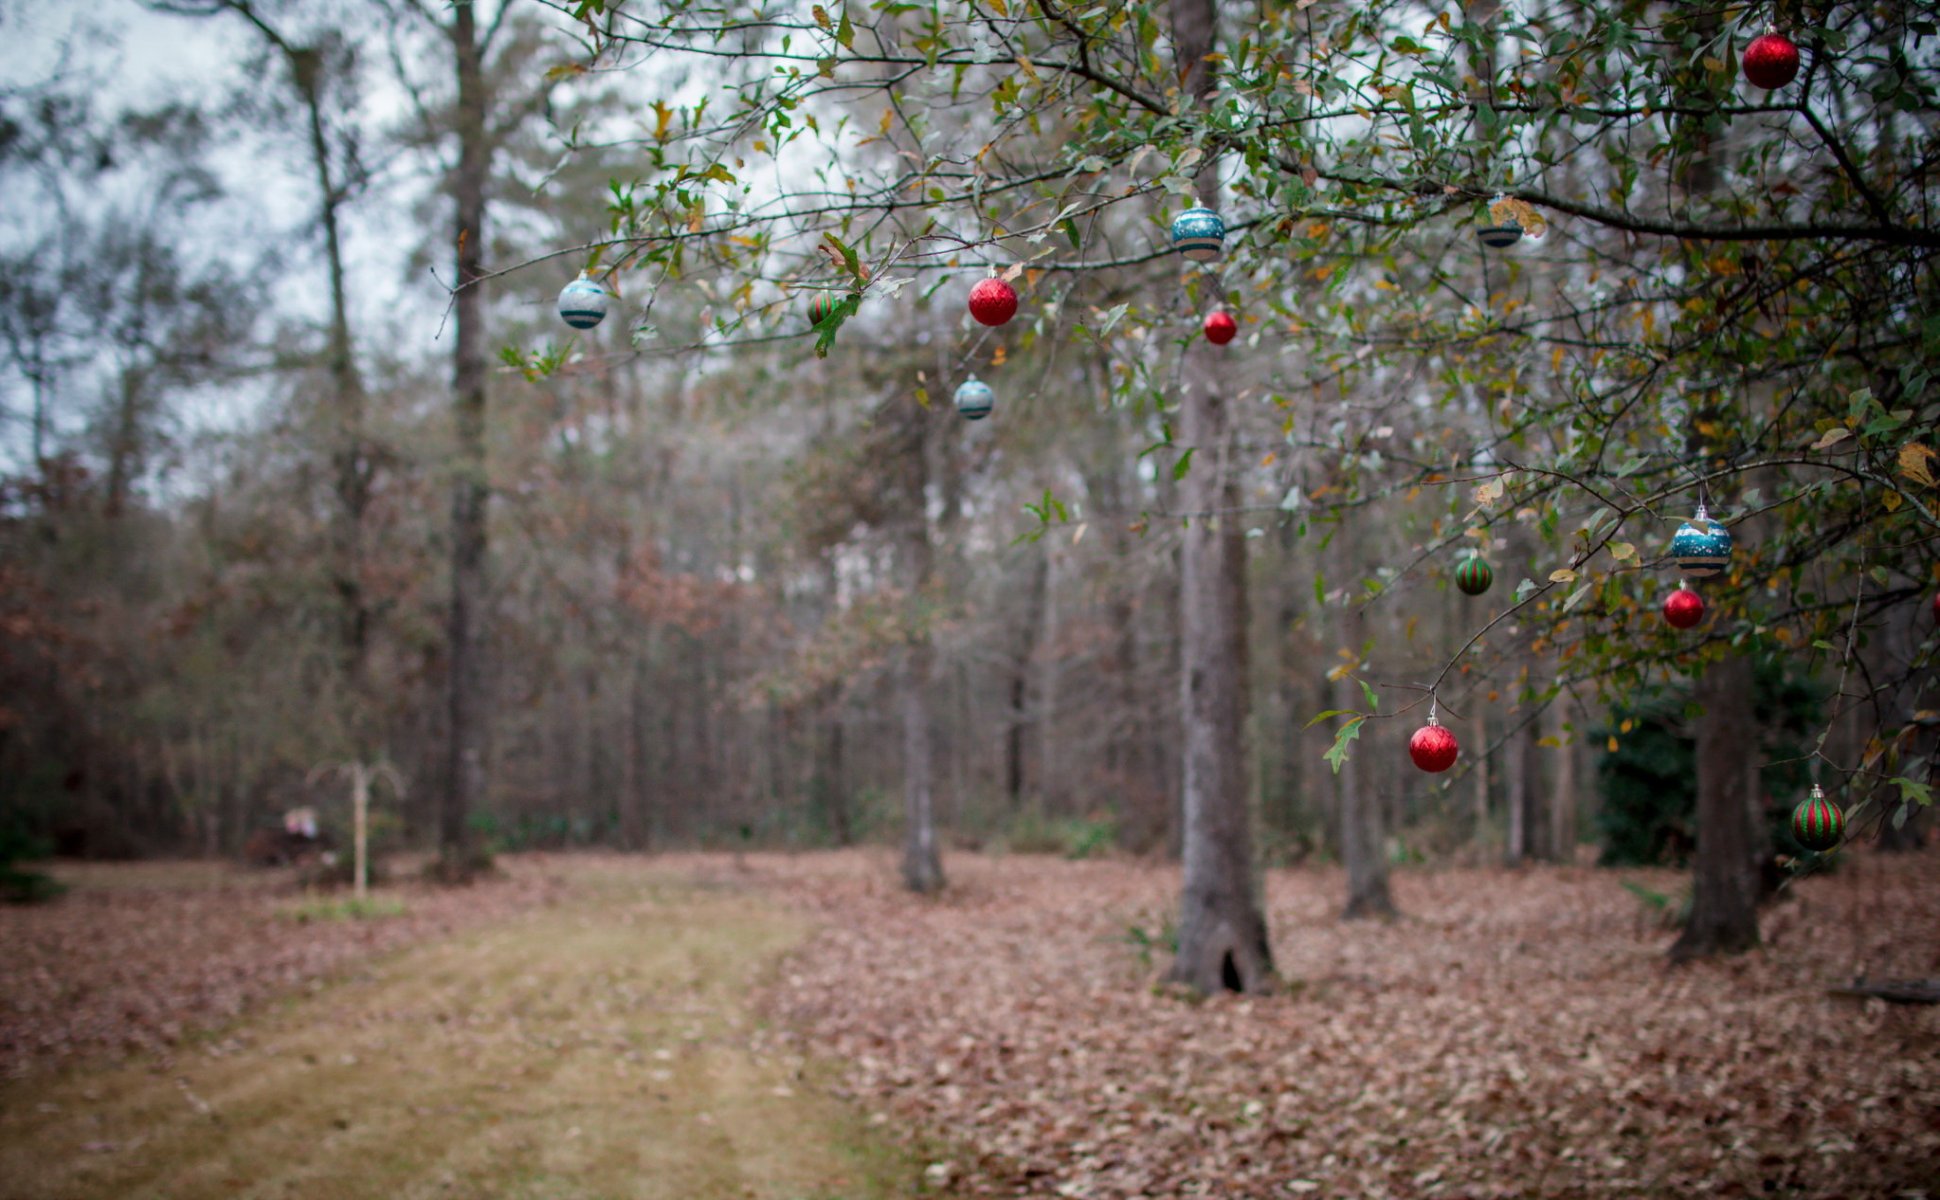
<point x="1184" y="464"/>
<point x="1345" y="734"/>
<point x="1373" y="701"/>
<point x="1332" y="712"/>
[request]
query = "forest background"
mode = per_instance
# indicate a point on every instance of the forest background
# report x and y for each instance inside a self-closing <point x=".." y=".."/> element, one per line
<point x="302" y="466"/>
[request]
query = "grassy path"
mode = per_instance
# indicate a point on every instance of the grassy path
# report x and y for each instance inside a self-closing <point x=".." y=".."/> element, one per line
<point x="596" y="1049"/>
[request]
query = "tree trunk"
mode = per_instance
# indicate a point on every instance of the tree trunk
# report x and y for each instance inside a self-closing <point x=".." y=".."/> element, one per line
<point x="1360" y="845"/>
<point x="922" y="863"/>
<point x="469" y="744"/>
<point x="633" y="791"/>
<point x="1222" y="926"/>
<point x="1724" y="898"/>
<point x="1515" y="800"/>
<point x="1562" y="794"/>
<point x="1020" y="682"/>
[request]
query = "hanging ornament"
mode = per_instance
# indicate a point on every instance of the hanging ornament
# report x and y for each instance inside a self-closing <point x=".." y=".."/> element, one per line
<point x="1433" y="747"/>
<point x="1500" y="237"/>
<point x="1473" y="575"/>
<point x="992" y="301"/>
<point x="583" y="302"/>
<point x="1199" y="234"/>
<point x="975" y="399"/>
<point x="1701" y="546"/>
<point x="1772" y="60"/>
<point x="1220" y="328"/>
<point x="820" y="308"/>
<point x="1817" y="823"/>
<point x="1683" y="608"/>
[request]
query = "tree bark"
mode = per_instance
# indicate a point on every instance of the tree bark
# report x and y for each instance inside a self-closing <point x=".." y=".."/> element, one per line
<point x="465" y="689"/>
<point x="1222" y="926"/>
<point x="1562" y="794"/>
<point x="1724" y="896"/>
<point x="1360" y="846"/>
<point x="922" y="863"/>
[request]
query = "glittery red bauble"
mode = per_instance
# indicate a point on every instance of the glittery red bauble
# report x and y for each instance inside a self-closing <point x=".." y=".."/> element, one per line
<point x="992" y="302"/>
<point x="1433" y="748"/>
<point x="1771" y="61"/>
<point x="1220" y="328"/>
<point x="1683" y="608"/>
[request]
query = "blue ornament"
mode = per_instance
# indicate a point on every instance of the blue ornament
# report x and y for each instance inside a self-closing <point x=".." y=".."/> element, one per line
<point x="582" y="303"/>
<point x="1701" y="546"/>
<point x="1500" y="237"/>
<point x="1198" y="233"/>
<point x="975" y="399"/>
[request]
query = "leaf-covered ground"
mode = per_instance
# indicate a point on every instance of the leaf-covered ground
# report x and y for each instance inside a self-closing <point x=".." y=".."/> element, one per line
<point x="599" y="1047"/>
<point x="136" y="956"/>
<point x="1515" y="1034"/>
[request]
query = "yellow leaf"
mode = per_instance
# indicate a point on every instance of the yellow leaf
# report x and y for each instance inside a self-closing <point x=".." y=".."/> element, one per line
<point x="999" y="5"/>
<point x="1913" y="463"/>
<point x="1562" y="575"/>
<point x="1831" y="437"/>
<point x="1892" y="501"/>
<point x="821" y="16"/>
<point x="1611" y="745"/>
<point x="1622" y="551"/>
<point x="888" y="115"/>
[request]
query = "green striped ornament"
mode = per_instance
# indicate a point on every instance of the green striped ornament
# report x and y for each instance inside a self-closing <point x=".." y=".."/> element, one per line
<point x="1473" y="575"/>
<point x="1817" y="823"/>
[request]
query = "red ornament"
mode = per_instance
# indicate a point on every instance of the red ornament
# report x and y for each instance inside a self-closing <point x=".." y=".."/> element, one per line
<point x="1936" y="606"/>
<point x="1433" y="748"/>
<point x="1771" y="61"/>
<point x="1220" y="328"/>
<point x="1683" y="608"/>
<point x="992" y="301"/>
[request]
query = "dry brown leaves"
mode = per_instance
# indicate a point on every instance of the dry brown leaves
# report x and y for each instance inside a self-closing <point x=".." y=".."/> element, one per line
<point x="136" y="957"/>
<point x="1516" y="1034"/>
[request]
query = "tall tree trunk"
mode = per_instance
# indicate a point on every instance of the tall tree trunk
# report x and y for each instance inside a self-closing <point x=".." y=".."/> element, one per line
<point x="633" y="786"/>
<point x="1724" y="896"/>
<point x="922" y="862"/>
<point x="1360" y="844"/>
<point x="1222" y="926"/>
<point x="1562" y="793"/>
<point x="1020" y="682"/>
<point x="1515" y="800"/>
<point x="466" y="699"/>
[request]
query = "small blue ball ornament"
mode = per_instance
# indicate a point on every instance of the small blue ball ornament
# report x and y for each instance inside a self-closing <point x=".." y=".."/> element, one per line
<point x="975" y="399"/>
<point x="1701" y="546"/>
<point x="583" y="302"/>
<point x="1199" y="234"/>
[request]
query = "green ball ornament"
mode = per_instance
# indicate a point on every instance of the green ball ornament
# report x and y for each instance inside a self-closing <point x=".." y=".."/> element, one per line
<point x="1473" y="575"/>
<point x="1817" y="823"/>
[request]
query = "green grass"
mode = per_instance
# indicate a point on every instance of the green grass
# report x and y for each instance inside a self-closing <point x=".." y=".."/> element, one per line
<point x="602" y="1048"/>
<point x="345" y="908"/>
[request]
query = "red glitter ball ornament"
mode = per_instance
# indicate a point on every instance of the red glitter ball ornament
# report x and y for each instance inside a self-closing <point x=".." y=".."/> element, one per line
<point x="1220" y="328"/>
<point x="1433" y="748"/>
<point x="1683" y="608"/>
<point x="993" y="302"/>
<point x="1771" y="61"/>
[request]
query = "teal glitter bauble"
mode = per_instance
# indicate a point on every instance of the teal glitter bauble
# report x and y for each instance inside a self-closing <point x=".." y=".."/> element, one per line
<point x="583" y="302"/>
<point x="1701" y="546"/>
<point x="975" y="399"/>
<point x="1198" y="233"/>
